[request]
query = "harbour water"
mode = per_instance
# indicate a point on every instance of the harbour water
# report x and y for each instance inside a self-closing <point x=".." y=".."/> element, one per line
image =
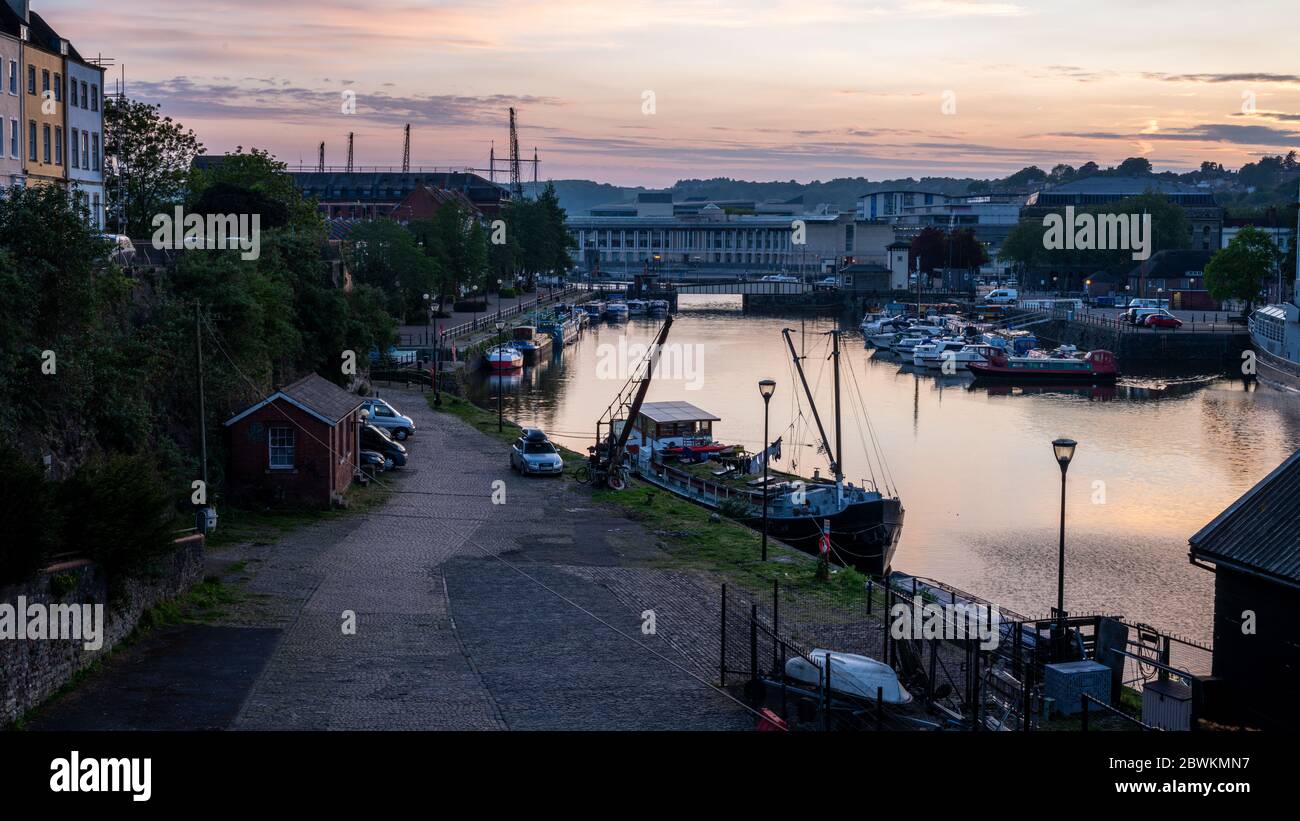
<point x="1158" y="457"/>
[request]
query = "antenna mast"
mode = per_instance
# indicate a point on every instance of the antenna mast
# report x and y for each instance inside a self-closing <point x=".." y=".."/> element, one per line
<point x="350" y="135"/>
<point x="406" y="150"/>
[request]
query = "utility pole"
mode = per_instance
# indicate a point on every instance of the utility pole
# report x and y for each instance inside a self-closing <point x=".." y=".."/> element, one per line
<point x="350" y="136"/>
<point x="406" y="149"/>
<point x="203" y="415"/>
<point x="320" y="161"/>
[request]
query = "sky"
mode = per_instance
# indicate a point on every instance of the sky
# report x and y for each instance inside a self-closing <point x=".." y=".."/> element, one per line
<point x="646" y="93"/>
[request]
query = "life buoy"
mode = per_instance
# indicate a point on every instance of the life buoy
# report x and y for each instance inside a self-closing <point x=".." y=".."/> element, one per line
<point x="616" y="481"/>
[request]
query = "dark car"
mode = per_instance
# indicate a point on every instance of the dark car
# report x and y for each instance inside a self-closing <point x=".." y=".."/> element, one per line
<point x="372" y="461"/>
<point x="372" y="438"/>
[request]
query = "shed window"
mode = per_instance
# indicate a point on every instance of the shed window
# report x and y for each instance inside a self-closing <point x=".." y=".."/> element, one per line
<point x="280" y="443"/>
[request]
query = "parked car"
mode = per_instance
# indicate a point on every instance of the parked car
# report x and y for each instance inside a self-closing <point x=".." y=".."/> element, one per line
<point x="384" y="415"/>
<point x="372" y="438"/>
<point x="1162" y="319"/>
<point x="534" y="453"/>
<point x="829" y="282"/>
<point x="1138" y="316"/>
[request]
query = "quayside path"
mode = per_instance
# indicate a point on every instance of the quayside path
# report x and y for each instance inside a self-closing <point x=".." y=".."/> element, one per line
<point x="469" y="615"/>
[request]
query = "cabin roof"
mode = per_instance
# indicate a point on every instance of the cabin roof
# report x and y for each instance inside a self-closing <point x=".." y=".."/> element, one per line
<point x="1258" y="531"/>
<point x="676" y="412"/>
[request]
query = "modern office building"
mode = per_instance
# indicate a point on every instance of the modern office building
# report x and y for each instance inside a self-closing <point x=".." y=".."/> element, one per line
<point x="884" y="206"/>
<point x="653" y="232"/>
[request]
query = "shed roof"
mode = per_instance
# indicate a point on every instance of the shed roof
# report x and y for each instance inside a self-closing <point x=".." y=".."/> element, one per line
<point x="313" y="394"/>
<point x="676" y="412"/>
<point x="1258" y="532"/>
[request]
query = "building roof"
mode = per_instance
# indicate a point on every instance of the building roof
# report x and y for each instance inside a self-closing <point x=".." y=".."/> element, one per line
<point x="314" y="395"/>
<point x="1258" y="532"/>
<point x="864" y="268"/>
<point x="1122" y="185"/>
<point x="1172" y="263"/>
<point x="676" y="412"/>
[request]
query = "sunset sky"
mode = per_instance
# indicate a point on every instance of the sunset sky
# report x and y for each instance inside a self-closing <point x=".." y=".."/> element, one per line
<point x="759" y="89"/>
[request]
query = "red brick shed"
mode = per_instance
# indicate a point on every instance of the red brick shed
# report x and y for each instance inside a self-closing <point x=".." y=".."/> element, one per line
<point x="297" y="446"/>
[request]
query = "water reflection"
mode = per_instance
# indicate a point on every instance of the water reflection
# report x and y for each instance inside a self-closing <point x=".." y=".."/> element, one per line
<point x="1159" y="456"/>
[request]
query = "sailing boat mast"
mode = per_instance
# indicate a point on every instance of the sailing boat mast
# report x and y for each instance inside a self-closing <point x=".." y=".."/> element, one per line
<point x="839" y="438"/>
<point x="821" y="429"/>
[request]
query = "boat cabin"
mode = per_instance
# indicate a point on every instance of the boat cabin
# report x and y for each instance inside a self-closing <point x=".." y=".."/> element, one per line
<point x="661" y="425"/>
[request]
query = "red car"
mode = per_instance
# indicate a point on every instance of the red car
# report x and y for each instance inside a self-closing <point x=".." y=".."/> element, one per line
<point x="1163" y="319"/>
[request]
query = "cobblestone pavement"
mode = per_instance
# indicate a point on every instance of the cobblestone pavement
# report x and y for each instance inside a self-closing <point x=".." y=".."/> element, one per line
<point x="449" y="636"/>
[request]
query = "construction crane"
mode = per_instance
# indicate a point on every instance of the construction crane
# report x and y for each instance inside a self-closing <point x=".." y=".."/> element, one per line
<point x="516" y="188"/>
<point x="406" y="150"/>
<point x="350" y="135"/>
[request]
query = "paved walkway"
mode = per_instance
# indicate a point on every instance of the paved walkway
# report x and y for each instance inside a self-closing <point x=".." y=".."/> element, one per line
<point x="450" y="635"/>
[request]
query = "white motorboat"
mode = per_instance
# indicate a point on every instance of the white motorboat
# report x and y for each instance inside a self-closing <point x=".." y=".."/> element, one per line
<point x="852" y="675"/>
<point x="874" y="322"/>
<point x="637" y="307"/>
<point x="931" y="354"/>
<point x="616" y="310"/>
<point x="907" y="341"/>
<point x="961" y="357"/>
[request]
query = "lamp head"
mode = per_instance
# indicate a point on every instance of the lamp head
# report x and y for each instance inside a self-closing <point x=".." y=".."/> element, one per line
<point x="1063" y="449"/>
<point x="766" y="388"/>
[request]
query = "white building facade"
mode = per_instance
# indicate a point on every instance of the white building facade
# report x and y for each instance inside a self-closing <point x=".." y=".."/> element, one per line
<point x="85" y="136"/>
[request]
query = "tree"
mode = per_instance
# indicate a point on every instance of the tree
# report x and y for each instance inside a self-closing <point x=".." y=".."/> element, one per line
<point x="1239" y="270"/>
<point x="1061" y="173"/>
<point x="965" y="251"/>
<point x="151" y="157"/>
<point x="1134" y="167"/>
<point x="383" y="254"/>
<point x="930" y="247"/>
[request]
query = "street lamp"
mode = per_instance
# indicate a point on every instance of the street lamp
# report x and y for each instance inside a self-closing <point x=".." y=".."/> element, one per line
<point x="765" y="388"/>
<point x="501" y="340"/>
<point x="428" y="317"/>
<point x="1063" y="450"/>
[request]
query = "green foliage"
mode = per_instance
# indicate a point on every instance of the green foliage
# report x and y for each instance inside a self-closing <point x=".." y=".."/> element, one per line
<point x="31" y="523"/>
<point x="117" y="511"/>
<point x="1169" y="228"/>
<point x="384" y="255"/>
<point x="1239" y="270"/>
<point x="153" y="161"/>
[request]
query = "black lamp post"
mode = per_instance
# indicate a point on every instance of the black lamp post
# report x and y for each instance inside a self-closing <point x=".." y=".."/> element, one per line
<point x="765" y="389"/>
<point x="1063" y="449"/>
<point x="501" y="340"/>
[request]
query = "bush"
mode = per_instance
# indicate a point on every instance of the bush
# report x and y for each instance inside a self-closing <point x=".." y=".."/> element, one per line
<point x="30" y="519"/>
<point x="508" y="293"/>
<point x="117" y="511"/>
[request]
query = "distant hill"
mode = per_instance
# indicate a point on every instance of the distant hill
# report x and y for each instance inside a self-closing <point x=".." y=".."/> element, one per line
<point x="580" y="196"/>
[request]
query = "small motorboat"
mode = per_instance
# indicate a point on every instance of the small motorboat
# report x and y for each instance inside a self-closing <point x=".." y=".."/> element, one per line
<point x="504" y="358"/>
<point x="851" y="675"/>
<point x="658" y="307"/>
<point x="637" y="307"/>
<point x="615" y="311"/>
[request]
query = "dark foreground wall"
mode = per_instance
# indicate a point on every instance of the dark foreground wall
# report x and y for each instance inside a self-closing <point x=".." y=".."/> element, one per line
<point x="1217" y="350"/>
<point x="31" y="670"/>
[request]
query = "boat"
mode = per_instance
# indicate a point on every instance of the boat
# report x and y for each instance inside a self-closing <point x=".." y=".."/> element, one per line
<point x="906" y="342"/>
<point x="1275" y="338"/>
<point x="637" y="307"/>
<point x="504" y="358"/>
<point x="873" y="322"/>
<point x="851" y="675"/>
<point x="616" y="311"/>
<point x="593" y="310"/>
<point x="563" y="328"/>
<point x="959" y="352"/>
<point x="1094" y="366"/>
<point x="530" y="342"/>
<point x="931" y="354"/>
<point x="658" y="307"/>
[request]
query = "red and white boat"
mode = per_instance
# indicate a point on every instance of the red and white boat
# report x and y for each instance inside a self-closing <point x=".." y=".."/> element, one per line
<point x="1094" y="366"/>
<point x="504" y="358"/>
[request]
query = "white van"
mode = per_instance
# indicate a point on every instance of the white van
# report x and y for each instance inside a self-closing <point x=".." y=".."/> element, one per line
<point x="1002" y="296"/>
<point x="1148" y="303"/>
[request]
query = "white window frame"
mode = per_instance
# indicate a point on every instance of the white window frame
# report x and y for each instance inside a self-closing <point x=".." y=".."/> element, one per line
<point x="274" y="434"/>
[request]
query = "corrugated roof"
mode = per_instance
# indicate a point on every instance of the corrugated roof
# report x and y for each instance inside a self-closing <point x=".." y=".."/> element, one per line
<point x="1261" y="530"/>
<point x="676" y="412"/>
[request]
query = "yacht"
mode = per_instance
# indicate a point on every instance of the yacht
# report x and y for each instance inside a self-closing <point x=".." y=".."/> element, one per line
<point x="961" y="356"/>
<point x="616" y="311"/>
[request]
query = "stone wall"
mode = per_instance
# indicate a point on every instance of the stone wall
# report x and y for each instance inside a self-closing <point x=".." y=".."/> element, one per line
<point x="1172" y="348"/>
<point x="33" y="670"/>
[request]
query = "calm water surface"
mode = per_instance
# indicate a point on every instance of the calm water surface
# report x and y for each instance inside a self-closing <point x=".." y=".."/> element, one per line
<point x="1157" y="458"/>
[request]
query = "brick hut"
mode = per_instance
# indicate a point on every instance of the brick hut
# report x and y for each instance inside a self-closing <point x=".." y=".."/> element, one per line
<point x="297" y="446"/>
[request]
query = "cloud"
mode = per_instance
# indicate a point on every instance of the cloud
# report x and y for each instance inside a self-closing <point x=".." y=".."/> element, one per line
<point x="1241" y="77"/>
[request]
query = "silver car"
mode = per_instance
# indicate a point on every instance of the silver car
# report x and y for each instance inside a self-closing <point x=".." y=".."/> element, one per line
<point x="534" y="454"/>
<point x="388" y="418"/>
